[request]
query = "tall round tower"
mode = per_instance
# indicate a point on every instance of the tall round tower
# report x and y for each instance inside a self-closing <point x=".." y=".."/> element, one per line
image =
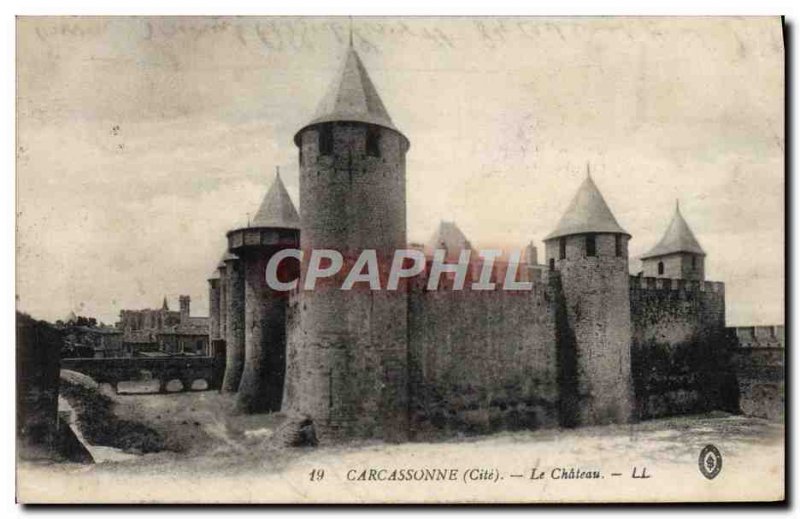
<point x="589" y="251"/>
<point x="346" y="364"/>
<point x="230" y="321"/>
<point x="274" y="227"/>
<point x="213" y="307"/>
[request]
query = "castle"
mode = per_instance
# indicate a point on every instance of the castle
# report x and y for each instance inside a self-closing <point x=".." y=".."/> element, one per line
<point x="589" y="344"/>
<point x="163" y="330"/>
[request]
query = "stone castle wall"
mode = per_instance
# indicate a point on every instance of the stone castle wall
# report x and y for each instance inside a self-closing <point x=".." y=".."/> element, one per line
<point x="681" y="360"/>
<point x="759" y="361"/>
<point x="481" y="361"/>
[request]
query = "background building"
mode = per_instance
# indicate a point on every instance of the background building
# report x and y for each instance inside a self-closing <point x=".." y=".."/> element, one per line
<point x="162" y="330"/>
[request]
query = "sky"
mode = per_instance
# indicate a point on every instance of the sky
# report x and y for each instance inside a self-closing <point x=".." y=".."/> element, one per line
<point x="141" y="141"/>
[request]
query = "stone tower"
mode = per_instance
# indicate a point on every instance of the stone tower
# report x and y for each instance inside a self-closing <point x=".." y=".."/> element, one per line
<point x="589" y="251"/>
<point x="346" y="364"/>
<point x="223" y="296"/>
<point x="231" y="320"/>
<point x="678" y="255"/>
<point x="213" y="307"/>
<point x="274" y="227"/>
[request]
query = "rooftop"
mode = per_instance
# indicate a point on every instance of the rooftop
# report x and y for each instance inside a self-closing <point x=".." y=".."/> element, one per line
<point x="678" y="238"/>
<point x="352" y="97"/>
<point x="277" y="209"/>
<point x="587" y="213"/>
<point x="450" y="238"/>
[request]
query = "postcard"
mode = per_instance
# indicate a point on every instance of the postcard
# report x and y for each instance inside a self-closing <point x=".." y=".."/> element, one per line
<point x="378" y="260"/>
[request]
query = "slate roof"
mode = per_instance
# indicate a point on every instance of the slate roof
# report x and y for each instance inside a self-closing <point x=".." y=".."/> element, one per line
<point x="449" y="237"/>
<point x="277" y="209"/>
<point x="677" y="238"/>
<point x="226" y="256"/>
<point x="587" y="213"/>
<point x="352" y="97"/>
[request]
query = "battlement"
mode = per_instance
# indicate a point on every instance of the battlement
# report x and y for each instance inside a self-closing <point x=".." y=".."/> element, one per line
<point x="686" y="285"/>
<point x="759" y="336"/>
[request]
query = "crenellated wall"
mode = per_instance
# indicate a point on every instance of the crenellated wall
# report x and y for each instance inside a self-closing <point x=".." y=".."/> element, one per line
<point x="762" y="337"/>
<point x="481" y="361"/>
<point x="680" y="353"/>
<point x="759" y="360"/>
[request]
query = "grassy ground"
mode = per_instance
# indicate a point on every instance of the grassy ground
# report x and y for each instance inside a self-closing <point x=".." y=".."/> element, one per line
<point x="100" y="423"/>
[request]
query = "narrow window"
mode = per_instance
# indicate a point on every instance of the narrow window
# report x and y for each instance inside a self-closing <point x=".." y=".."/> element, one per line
<point x="660" y="268"/>
<point x="694" y="262"/>
<point x="591" y="245"/>
<point x="373" y="141"/>
<point x="326" y="139"/>
<point x="552" y="264"/>
<point x="618" y="245"/>
<point x="562" y="248"/>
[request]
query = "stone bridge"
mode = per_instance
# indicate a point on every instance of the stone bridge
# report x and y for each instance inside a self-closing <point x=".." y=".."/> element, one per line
<point x="184" y="369"/>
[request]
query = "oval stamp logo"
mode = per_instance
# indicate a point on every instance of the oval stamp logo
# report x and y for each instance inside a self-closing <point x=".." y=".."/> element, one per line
<point x="710" y="461"/>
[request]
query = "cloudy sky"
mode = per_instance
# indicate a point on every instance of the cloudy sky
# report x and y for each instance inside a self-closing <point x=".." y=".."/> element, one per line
<point x="140" y="141"/>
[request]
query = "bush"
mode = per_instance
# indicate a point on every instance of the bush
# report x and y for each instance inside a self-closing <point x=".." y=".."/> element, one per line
<point x="100" y="426"/>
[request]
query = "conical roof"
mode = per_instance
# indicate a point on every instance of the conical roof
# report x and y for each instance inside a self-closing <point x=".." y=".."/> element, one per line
<point x="678" y="238"/>
<point x="351" y="97"/>
<point x="277" y="209"/>
<point x="587" y="213"/>
<point x="226" y="256"/>
<point x="450" y="238"/>
<point x="164" y="305"/>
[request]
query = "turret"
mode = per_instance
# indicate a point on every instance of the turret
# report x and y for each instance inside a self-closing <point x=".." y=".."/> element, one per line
<point x="275" y="227"/>
<point x="214" y="338"/>
<point x="228" y="320"/>
<point x="678" y="255"/>
<point x="232" y="320"/>
<point x="222" y="271"/>
<point x="589" y="252"/>
<point x="213" y="306"/>
<point x="347" y="367"/>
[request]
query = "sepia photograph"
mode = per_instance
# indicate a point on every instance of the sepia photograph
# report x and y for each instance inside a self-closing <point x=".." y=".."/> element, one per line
<point x="400" y="259"/>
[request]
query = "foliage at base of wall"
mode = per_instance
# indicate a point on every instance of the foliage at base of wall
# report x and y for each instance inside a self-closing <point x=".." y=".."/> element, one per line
<point x="685" y="378"/>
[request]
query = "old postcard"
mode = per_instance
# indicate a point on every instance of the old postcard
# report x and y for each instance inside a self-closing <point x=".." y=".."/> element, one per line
<point x="400" y="259"/>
